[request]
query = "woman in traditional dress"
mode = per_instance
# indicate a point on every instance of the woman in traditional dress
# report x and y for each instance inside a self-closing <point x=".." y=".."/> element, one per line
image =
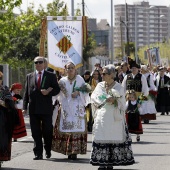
<point x="95" y="79"/>
<point x="148" y="107"/>
<point x="133" y="110"/>
<point x="111" y="141"/>
<point x="70" y="133"/>
<point x="19" y="130"/>
<point x="86" y="76"/>
<point x="163" y="98"/>
<point x="8" y="119"/>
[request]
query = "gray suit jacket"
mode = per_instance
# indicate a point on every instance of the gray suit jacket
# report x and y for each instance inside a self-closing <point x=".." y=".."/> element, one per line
<point x="39" y="103"/>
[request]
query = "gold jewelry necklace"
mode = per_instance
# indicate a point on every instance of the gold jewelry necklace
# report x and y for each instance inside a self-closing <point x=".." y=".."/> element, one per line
<point x="109" y="86"/>
<point x="71" y="79"/>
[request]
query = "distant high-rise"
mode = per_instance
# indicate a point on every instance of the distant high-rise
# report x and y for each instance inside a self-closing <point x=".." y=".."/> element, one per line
<point x="152" y="23"/>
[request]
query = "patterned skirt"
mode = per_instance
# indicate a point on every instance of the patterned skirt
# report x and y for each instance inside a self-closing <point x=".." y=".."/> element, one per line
<point x="20" y="130"/>
<point x="68" y="143"/>
<point x="112" y="154"/>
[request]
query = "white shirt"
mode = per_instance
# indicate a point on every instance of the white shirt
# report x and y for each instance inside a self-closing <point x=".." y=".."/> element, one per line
<point x="37" y="75"/>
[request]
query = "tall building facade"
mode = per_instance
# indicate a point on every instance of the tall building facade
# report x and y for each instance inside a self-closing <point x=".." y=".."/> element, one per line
<point x="169" y="23"/>
<point x="149" y="24"/>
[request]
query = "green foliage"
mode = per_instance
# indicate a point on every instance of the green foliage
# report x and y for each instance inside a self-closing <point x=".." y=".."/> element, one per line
<point x="89" y="48"/>
<point x="20" y="36"/>
<point x="9" y="4"/>
<point x="131" y="47"/>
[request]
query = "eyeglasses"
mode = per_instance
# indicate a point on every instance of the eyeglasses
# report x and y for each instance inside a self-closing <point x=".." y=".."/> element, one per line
<point x="38" y="62"/>
<point x="0" y="78"/>
<point x="70" y="68"/>
<point x="104" y="74"/>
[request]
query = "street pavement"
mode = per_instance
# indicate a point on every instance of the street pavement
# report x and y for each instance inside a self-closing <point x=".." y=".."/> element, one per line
<point x="151" y="153"/>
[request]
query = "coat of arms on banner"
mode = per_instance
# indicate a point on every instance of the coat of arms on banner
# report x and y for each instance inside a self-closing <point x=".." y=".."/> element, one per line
<point x="64" y="41"/>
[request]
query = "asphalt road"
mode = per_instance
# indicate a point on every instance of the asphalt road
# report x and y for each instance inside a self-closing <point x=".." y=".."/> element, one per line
<point x="151" y="153"/>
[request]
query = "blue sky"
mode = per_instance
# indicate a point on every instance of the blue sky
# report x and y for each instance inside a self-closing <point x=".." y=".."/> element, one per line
<point x="99" y="9"/>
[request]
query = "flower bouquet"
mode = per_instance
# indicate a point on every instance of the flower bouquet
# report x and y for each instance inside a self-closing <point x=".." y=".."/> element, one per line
<point x="111" y="93"/>
<point x="142" y="98"/>
<point x="18" y="103"/>
<point x="85" y="88"/>
<point x="153" y="95"/>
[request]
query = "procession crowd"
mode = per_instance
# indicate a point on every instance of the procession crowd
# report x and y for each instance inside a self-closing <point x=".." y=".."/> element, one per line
<point x="111" y="102"/>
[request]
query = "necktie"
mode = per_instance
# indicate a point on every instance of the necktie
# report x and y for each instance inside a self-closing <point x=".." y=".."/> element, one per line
<point x="39" y="80"/>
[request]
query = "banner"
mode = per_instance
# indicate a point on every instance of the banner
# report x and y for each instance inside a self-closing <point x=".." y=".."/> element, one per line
<point x="64" y="41"/>
<point x="153" y="56"/>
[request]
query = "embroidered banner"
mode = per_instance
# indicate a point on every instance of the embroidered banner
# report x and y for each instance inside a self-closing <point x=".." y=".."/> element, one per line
<point x="64" y="41"/>
<point x="153" y="56"/>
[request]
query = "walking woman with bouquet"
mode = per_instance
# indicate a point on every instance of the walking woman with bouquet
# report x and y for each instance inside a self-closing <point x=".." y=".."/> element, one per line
<point x="111" y="144"/>
<point x="70" y="131"/>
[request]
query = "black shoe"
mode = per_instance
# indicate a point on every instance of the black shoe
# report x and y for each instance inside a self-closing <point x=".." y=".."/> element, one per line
<point x="69" y="156"/>
<point x="162" y="113"/>
<point x="138" y="138"/>
<point x="15" y="140"/>
<point x="167" y="113"/>
<point x="102" y="168"/>
<point x="1" y="164"/>
<point x="146" y="121"/>
<point x="48" y="155"/>
<point x="74" y="156"/>
<point x="38" y="157"/>
<point x="109" y="167"/>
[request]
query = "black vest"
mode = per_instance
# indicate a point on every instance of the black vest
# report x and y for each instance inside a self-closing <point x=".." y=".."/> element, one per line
<point x="131" y="108"/>
<point x="135" y="84"/>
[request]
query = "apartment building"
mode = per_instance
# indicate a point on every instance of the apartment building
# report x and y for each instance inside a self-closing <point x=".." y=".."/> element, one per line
<point x="150" y="24"/>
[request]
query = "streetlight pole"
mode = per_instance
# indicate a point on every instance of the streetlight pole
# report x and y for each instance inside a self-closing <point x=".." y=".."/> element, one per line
<point x="72" y="7"/>
<point x="136" y="10"/>
<point x="122" y="47"/>
<point x="111" y="31"/>
<point x="83" y="7"/>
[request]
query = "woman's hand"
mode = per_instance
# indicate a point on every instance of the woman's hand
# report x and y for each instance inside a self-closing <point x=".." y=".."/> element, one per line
<point x="75" y="94"/>
<point x="138" y="105"/>
<point x="110" y="100"/>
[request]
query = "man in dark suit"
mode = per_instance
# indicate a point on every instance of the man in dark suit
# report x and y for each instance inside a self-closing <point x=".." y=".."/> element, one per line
<point x="40" y="86"/>
<point x="124" y="72"/>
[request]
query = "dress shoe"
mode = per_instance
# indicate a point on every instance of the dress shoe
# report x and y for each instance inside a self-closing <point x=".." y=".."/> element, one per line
<point x="162" y="113"/>
<point x="110" y="168"/>
<point x="15" y="140"/>
<point x="74" y="156"/>
<point x="167" y="113"/>
<point x="138" y="138"/>
<point x="38" y="157"/>
<point x="102" y="168"/>
<point x="48" y="155"/>
<point x="69" y="156"/>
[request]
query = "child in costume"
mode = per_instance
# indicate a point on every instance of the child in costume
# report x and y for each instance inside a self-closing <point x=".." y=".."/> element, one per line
<point x="132" y="114"/>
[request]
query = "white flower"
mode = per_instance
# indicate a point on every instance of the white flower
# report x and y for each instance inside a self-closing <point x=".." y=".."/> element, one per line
<point x="114" y="93"/>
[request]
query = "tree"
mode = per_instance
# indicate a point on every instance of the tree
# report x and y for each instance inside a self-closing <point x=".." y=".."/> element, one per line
<point x="23" y="42"/>
<point x="89" y="48"/>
